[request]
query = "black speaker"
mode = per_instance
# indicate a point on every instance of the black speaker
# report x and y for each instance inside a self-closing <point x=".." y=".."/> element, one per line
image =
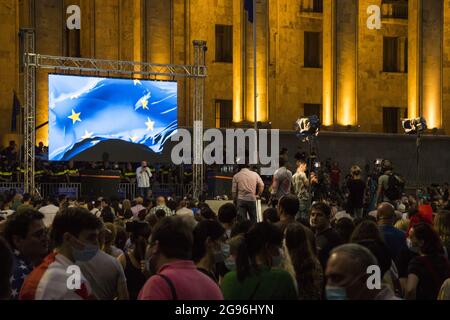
<point x="99" y="183"/>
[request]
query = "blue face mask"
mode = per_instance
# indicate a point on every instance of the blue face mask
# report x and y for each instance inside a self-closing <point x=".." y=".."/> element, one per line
<point x="335" y="293"/>
<point x="87" y="253"/>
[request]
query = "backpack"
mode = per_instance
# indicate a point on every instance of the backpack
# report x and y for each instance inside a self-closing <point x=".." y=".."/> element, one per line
<point x="394" y="189"/>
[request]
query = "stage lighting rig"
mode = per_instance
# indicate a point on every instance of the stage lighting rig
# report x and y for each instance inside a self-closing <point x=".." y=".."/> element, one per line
<point x="414" y="126"/>
<point x="307" y="127"/>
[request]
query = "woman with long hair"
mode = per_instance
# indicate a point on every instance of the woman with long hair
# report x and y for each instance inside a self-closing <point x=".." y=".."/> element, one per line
<point x="209" y="248"/>
<point x="133" y="261"/>
<point x="428" y="271"/>
<point x="308" y="271"/>
<point x="257" y="275"/>
<point x="442" y="227"/>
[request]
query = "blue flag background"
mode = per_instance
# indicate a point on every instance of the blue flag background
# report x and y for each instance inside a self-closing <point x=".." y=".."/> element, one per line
<point x="84" y="111"/>
<point x="248" y="6"/>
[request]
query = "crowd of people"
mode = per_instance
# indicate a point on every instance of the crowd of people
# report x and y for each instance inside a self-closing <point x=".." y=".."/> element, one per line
<point x="320" y="235"/>
<point x="305" y="246"/>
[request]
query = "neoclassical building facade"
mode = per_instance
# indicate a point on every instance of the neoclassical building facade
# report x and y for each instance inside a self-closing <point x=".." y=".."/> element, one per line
<point x="313" y="57"/>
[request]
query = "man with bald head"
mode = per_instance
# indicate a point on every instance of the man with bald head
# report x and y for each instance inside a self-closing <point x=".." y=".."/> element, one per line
<point x="394" y="238"/>
<point x="347" y="275"/>
<point x="161" y="204"/>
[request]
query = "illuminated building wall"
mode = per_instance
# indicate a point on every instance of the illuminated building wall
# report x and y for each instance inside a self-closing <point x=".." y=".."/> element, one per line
<point x="346" y="62"/>
<point x="350" y="84"/>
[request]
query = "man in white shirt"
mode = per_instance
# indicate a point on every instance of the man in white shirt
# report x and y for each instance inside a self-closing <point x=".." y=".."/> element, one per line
<point x="246" y="186"/>
<point x="143" y="175"/>
<point x="49" y="211"/>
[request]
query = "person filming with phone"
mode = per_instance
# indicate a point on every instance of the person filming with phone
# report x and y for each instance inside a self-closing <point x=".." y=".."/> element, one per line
<point x="143" y="175"/>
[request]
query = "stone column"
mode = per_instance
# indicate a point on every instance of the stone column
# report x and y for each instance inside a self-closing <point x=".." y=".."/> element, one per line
<point x="261" y="68"/>
<point x="432" y="58"/>
<point x="9" y="62"/>
<point x="329" y="50"/>
<point x="238" y="60"/>
<point x="346" y="61"/>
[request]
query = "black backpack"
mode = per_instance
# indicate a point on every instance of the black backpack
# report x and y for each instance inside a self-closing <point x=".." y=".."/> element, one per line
<point x="394" y="189"/>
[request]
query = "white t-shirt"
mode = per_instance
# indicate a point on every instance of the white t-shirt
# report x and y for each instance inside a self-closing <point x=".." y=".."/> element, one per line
<point x="49" y="213"/>
<point x="143" y="176"/>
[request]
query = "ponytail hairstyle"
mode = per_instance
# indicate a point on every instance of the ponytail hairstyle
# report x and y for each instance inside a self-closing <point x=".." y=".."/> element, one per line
<point x="256" y="240"/>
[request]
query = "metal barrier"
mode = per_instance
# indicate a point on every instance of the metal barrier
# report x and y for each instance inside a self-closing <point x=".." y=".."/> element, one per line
<point x="127" y="190"/>
<point x="7" y="186"/>
<point x="73" y="190"/>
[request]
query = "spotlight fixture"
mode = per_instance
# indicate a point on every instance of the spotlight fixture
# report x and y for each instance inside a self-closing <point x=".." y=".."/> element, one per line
<point x="413" y="126"/>
<point x="307" y="127"/>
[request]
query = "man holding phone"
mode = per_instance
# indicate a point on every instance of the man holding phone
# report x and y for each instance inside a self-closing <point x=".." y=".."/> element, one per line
<point x="143" y="175"/>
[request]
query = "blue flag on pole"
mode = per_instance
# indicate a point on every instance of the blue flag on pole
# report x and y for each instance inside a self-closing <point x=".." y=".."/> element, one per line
<point x="248" y="6"/>
<point x="84" y="111"/>
<point x="15" y="112"/>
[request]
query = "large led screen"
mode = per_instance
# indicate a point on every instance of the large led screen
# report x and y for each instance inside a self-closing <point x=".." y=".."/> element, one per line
<point x="84" y="111"/>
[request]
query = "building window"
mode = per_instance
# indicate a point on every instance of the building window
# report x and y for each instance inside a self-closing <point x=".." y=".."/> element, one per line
<point x="310" y="109"/>
<point x="73" y="46"/>
<point x="392" y="119"/>
<point x="224" y="113"/>
<point x="312" y="6"/>
<point x="395" y="9"/>
<point x="395" y="54"/>
<point x="317" y="5"/>
<point x="224" y="43"/>
<point x="313" y="50"/>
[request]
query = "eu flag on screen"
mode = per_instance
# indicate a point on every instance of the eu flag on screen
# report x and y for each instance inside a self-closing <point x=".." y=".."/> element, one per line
<point x="84" y="111"/>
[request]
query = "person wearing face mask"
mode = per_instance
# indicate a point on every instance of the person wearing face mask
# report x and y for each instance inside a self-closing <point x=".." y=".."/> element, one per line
<point x="105" y="274"/>
<point x="347" y="276"/>
<point x="74" y="235"/>
<point x="257" y="275"/>
<point x="209" y="250"/>
<point x="175" y="276"/>
<point x="133" y="261"/>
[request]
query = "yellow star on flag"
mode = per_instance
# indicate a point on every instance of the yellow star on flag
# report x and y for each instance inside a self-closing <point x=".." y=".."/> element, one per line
<point x="145" y="104"/>
<point x="136" y="82"/>
<point x="75" y="117"/>
<point x="134" y="139"/>
<point x="150" y="124"/>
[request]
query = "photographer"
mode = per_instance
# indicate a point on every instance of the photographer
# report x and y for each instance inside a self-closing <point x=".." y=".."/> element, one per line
<point x="143" y="175"/>
<point x="390" y="185"/>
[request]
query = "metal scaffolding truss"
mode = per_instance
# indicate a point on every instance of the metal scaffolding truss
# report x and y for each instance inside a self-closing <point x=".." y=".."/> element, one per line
<point x="29" y="120"/>
<point x="112" y="66"/>
<point x="34" y="61"/>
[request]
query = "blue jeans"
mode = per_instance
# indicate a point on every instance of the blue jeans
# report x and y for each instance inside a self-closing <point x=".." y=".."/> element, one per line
<point x="246" y="207"/>
<point x="143" y="192"/>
